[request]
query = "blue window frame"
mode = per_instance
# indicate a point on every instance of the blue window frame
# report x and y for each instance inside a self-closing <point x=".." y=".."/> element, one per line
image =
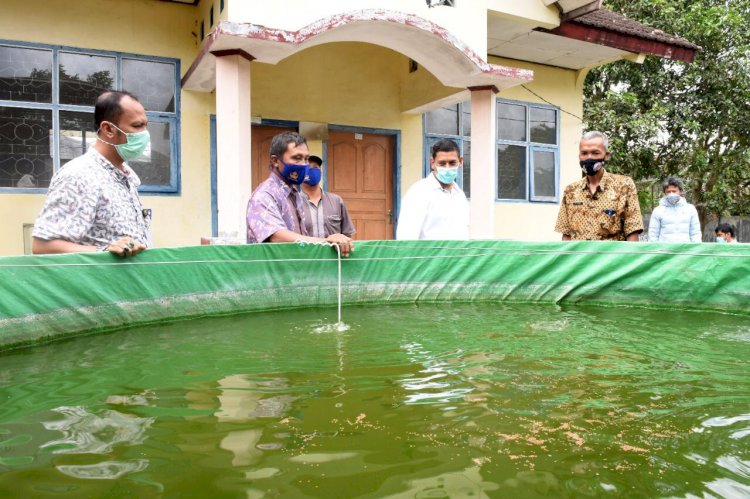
<point x="47" y="94"/>
<point x="528" y="147"/>
<point x="450" y="122"/>
<point x="528" y="152"/>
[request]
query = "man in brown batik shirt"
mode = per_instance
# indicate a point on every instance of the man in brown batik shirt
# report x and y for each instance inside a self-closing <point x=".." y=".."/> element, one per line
<point x="601" y="206"/>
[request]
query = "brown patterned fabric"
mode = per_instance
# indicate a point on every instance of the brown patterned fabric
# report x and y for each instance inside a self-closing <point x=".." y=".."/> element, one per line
<point x="611" y="213"/>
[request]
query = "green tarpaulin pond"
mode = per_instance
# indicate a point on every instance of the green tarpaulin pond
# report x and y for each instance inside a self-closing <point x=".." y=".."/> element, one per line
<point x="48" y="297"/>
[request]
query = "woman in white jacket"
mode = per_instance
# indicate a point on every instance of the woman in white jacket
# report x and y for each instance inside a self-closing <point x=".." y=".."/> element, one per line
<point x="674" y="220"/>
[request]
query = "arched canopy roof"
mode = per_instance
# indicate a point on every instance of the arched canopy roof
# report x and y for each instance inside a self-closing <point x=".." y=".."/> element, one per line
<point x="452" y="61"/>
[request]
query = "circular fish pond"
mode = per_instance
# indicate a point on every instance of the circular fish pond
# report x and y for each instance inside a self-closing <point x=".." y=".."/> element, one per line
<point x="449" y="400"/>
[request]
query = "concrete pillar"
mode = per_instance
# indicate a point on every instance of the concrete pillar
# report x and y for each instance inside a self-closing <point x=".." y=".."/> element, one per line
<point x="233" y="144"/>
<point x="483" y="162"/>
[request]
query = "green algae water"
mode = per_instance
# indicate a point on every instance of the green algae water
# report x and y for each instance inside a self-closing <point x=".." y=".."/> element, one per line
<point x="451" y="400"/>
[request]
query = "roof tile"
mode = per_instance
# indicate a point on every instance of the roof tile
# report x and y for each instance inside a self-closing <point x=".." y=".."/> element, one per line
<point x="614" y="21"/>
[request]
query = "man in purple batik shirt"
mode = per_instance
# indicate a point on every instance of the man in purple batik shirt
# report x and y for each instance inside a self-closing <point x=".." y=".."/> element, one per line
<point x="276" y="211"/>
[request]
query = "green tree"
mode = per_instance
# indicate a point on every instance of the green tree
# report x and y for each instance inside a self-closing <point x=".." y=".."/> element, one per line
<point x="691" y="120"/>
<point x="101" y="80"/>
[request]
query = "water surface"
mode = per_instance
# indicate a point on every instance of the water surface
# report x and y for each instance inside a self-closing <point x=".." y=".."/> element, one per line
<point x="470" y="400"/>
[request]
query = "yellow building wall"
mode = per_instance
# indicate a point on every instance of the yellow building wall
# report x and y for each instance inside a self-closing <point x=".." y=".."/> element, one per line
<point x="552" y="86"/>
<point x="144" y="27"/>
<point x="202" y="14"/>
<point x="421" y="88"/>
<point x="354" y="84"/>
<point x="411" y="151"/>
<point x="536" y="221"/>
<point x="364" y="85"/>
<point x="528" y="11"/>
<point x="339" y="83"/>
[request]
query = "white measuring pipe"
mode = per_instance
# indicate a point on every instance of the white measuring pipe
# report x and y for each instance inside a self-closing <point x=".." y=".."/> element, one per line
<point x="338" y="254"/>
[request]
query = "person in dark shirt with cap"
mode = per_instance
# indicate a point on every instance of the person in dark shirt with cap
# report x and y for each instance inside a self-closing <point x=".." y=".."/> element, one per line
<point x="325" y="212"/>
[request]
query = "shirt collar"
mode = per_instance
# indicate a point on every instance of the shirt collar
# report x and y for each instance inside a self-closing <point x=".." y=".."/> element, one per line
<point x="288" y="189"/>
<point x="127" y="174"/>
<point x="604" y="183"/>
<point x="307" y="198"/>
<point x="437" y="185"/>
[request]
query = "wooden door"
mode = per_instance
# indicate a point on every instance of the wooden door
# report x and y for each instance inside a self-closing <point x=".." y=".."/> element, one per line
<point x="261" y="146"/>
<point x="360" y="170"/>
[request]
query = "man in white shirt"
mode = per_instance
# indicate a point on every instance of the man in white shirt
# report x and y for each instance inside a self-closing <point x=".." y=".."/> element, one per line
<point x="435" y="207"/>
<point x="725" y="233"/>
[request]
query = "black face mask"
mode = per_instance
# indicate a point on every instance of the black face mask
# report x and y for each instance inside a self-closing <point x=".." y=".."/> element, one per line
<point x="591" y="166"/>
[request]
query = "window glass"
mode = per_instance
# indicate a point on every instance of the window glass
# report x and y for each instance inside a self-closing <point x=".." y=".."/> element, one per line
<point x="543" y="125"/>
<point x="25" y="74"/>
<point x="454" y="123"/>
<point x="520" y="160"/>
<point x="42" y="128"/>
<point x="511" y="122"/>
<point x="428" y="152"/>
<point x="443" y="121"/>
<point x="153" y="83"/>
<point x="153" y="166"/>
<point x="83" y="77"/>
<point x="77" y="134"/>
<point x="511" y="171"/>
<point x="544" y="174"/>
<point x="466" y="185"/>
<point x="466" y="118"/>
<point x="25" y="145"/>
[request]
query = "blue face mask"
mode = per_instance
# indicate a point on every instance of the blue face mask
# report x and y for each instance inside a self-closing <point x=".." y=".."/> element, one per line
<point x="447" y="175"/>
<point x="313" y="176"/>
<point x="293" y="173"/>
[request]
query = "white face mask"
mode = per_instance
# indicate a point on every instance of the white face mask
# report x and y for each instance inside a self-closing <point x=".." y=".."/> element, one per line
<point x="446" y="175"/>
<point x="672" y="198"/>
<point x="720" y="239"/>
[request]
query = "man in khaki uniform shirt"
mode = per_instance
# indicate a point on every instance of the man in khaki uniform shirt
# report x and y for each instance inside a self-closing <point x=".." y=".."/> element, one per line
<point x="326" y="212"/>
<point x="603" y="205"/>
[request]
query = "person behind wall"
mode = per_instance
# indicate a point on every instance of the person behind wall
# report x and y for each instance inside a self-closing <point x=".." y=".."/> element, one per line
<point x="436" y="207"/>
<point x="325" y="212"/>
<point x="674" y="220"/>
<point x="92" y="203"/>
<point x="725" y="233"/>
<point x="276" y="210"/>
<point x="601" y="206"/>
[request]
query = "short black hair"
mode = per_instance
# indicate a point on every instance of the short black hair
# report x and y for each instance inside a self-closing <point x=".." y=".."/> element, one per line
<point x="108" y="108"/>
<point x="316" y="160"/>
<point x="725" y="228"/>
<point x="444" y="145"/>
<point x="673" y="181"/>
<point x="280" y="143"/>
